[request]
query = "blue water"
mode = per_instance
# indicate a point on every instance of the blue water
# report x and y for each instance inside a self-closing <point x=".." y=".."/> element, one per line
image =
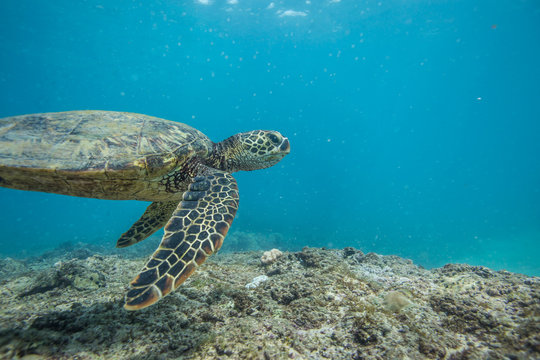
<point x="414" y="125"/>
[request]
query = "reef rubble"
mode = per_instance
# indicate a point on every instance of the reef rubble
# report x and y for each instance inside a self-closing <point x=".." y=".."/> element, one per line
<point x="313" y="304"/>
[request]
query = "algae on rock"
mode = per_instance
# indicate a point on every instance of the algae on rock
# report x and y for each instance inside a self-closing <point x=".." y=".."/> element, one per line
<point x="316" y="303"/>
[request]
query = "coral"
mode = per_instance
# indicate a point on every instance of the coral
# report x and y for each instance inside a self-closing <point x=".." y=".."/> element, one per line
<point x="256" y="281"/>
<point x="271" y="256"/>
<point x="71" y="273"/>
<point x="316" y="303"/>
<point x="395" y="301"/>
<point x="10" y="268"/>
<point x="310" y="257"/>
<point x="244" y="241"/>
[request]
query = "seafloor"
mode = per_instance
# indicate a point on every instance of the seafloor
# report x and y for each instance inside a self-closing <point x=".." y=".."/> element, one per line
<point x="314" y="304"/>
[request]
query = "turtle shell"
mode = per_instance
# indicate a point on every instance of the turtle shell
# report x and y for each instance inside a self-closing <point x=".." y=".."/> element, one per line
<point x="96" y="140"/>
<point x="93" y="145"/>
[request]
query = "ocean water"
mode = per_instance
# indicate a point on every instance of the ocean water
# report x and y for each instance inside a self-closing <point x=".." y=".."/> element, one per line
<point x="414" y="125"/>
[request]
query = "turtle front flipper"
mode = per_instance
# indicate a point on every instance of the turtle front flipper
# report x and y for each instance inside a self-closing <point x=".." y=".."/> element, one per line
<point x="195" y="231"/>
<point x="154" y="218"/>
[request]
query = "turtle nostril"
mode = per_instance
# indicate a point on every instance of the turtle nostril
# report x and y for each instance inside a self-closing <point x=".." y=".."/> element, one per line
<point x="285" y="146"/>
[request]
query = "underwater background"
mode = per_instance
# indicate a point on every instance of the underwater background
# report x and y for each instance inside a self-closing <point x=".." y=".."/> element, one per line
<point x="414" y="125"/>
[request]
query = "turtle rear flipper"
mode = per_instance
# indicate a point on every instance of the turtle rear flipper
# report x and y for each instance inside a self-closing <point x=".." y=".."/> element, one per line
<point x="195" y="231"/>
<point x="154" y="218"/>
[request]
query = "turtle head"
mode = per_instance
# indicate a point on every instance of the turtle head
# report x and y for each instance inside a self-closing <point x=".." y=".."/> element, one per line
<point x="251" y="150"/>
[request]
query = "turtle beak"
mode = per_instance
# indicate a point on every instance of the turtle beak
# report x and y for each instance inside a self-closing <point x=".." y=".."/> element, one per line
<point x="285" y="146"/>
<point x="280" y="151"/>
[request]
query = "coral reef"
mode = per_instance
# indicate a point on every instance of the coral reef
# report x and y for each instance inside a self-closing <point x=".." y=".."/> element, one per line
<point x="314" y="304"/>
<point x="10" y="268"/>
<point x="243" y="241"/>
<point x="269" y="257"/>
<point x="257" y="281"/>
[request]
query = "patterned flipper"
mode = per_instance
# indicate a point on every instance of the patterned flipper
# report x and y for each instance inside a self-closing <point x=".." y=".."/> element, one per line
<point x="195" y="231"/>
<point x="153" y="219"/>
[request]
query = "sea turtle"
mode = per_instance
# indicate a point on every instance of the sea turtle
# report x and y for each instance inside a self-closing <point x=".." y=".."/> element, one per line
<point x="127" y="156"/>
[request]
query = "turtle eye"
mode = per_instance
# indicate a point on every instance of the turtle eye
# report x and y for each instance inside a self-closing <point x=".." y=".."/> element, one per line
<point x="273" y="138"/>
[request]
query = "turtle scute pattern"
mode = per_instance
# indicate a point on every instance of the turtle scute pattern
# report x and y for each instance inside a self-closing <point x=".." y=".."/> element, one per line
<point x="195" y="231"/>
